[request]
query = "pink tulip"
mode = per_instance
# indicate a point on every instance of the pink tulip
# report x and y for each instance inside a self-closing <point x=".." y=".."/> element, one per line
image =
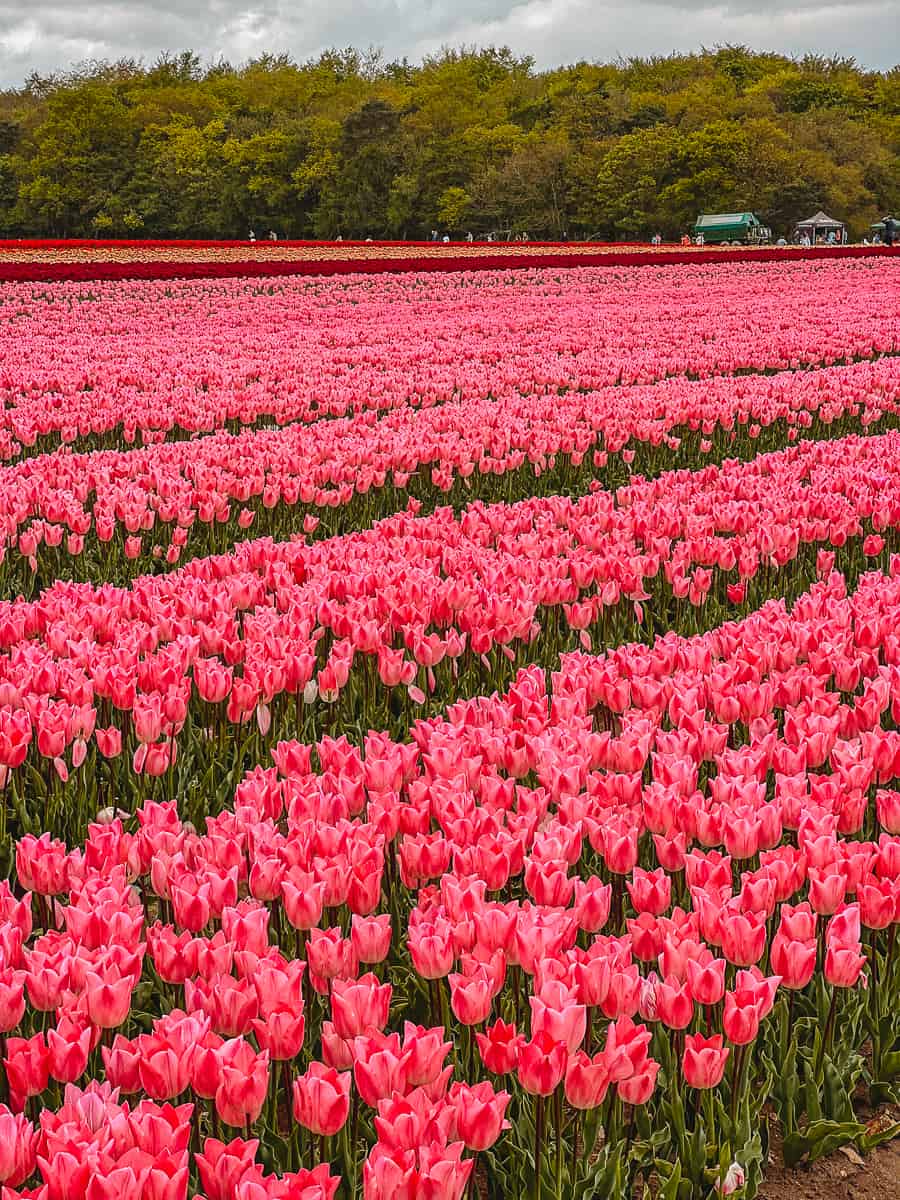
<point x="18" y="1148"/>
<point x="541" y="1064"/>
<point x="424" y="1052"/>
<point x="281" y="1034"/>
<point x="639" y="1087"/>
<point x="244" y="1083"/>
<point x="222" y="1165"/>
<point x="321" y="1099"/>
<point x="360" y="1006"/>
<point x="108" y="999"/>
<point x="843" y="966"/>
<point x="379" y="1067"/>
<point x="649" y="891"/>
<point x="480" y="1114"/>
<point x="703" y="1063"/>
<point x="587" y="1081"/>
<point x="470" y="998"/>
<point x="371" y="937"/>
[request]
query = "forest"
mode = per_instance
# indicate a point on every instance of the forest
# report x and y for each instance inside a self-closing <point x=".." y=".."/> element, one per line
<point x="474" y="140"/>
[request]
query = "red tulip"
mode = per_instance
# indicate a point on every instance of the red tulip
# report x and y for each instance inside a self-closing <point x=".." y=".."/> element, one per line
<point x="499" y="1047"/>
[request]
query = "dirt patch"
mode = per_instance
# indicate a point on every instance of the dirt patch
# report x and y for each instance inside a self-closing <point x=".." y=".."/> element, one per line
<point x="837" y="1178"/>
<point x="844" y="1175"/>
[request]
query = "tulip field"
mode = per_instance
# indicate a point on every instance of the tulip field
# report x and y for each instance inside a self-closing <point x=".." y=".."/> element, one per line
<point x="449" y="729"/>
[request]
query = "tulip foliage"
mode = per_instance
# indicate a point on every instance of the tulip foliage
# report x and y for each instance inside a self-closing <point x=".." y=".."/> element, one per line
<point x="499" y="820"/>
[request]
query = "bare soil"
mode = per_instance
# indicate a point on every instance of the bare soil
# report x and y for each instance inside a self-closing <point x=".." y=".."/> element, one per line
<point x="844" y="1175"/>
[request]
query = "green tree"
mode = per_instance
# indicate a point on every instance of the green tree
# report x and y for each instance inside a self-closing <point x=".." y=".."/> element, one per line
<point x="351" y="143"/>
<point x="633" y="174"/>
<point x="369" y="158"/>
<point x="454" y="206"/>
<point x="184" y="167"/>
<point x="76" y="160"/>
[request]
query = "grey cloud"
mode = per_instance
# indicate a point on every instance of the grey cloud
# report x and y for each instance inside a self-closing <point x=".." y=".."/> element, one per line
<point x="49" y="35"/>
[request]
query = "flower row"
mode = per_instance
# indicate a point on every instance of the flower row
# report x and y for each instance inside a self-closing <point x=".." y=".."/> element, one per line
<point x="125" y="511"/>
<point x="240" y="353"/>
<point x="91" y="265"/>
<point x="236" y="648"/>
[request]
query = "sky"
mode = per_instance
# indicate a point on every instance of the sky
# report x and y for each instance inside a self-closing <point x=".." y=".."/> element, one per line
<point x="52" y="35"/>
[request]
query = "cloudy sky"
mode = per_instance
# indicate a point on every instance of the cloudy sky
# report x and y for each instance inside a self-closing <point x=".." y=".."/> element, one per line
<point x="48" y="35"/>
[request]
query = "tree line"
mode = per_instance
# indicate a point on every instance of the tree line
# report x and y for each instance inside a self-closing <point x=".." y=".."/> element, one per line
<point x="471" y="140"/>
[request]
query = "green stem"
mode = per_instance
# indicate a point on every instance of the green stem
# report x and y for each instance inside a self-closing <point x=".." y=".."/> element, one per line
<point x="576" y="1129"/>
<point x="354" y="1134"/>
<point x="736" y="1080"/>
<point x="825" y="1044"/>
<point x="558" y="1117"/>
<point x="708" y="1118"/>
<point x="538" y="1144"/>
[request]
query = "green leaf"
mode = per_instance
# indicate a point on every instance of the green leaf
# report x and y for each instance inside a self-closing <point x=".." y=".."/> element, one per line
<point x="671" y="1188"/>
<point x="838" y="1093"/>
<point x="820" y="1138"/>
<point x="890" y="1065"/>
<point x="884" y="1091"/>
